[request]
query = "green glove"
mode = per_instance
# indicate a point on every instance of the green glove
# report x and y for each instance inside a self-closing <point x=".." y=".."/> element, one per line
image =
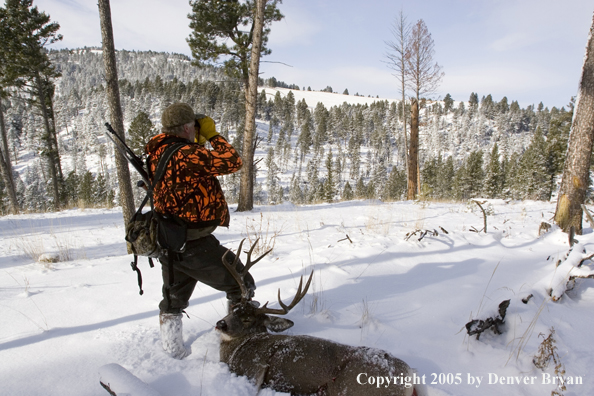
<point x="207" y="126"/>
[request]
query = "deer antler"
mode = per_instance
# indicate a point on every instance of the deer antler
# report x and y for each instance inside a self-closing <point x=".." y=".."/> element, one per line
<point x="239" y="276"/>
<point x="285" y="309"/>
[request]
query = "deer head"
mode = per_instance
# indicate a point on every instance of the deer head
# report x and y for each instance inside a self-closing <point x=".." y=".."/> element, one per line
<point x="297" y="364"/>
<point x="245" y="318"/>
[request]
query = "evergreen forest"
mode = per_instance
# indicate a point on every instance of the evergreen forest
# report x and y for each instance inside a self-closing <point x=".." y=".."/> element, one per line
<point x="306" y="152"/>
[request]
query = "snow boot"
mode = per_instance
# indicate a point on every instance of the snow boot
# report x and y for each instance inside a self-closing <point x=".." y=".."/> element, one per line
<point x="172" y="335"/>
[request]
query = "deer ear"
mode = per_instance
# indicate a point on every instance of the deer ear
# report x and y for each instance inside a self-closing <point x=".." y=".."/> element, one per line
<point x="276" y="324"/>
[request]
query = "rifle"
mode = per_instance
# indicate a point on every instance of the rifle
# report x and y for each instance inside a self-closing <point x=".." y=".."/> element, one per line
<point x="127" y="152"/>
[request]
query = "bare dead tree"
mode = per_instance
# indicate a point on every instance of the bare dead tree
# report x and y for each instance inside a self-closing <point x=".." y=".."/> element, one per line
<point x="424" y="76"/>
<point x="397" y="61"/>
<point x="413" y="152"/>
<point x="115" y="109"/>
<point x="576" y="169"/>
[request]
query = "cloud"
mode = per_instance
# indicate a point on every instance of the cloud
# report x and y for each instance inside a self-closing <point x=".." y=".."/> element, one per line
<point x="138" y="25"/>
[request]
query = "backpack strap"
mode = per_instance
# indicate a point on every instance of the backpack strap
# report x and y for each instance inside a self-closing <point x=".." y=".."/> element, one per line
<point x="163" y="161"/>
<point x="159" y="172"/>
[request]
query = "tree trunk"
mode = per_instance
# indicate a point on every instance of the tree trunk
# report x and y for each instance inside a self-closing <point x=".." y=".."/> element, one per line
<point x="51" y="152"/>
<point x="577" y="163"/>
<point x="405" y="134"/>
<point x="246" y="188"/>
<point x="7" y="166"/>
<point x="413" y="152"/>
<point x="54" y="136"/>
<point x="115" y="109"/>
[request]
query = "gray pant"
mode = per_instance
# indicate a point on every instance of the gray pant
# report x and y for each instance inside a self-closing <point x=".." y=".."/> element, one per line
<point x="200" y="262"/>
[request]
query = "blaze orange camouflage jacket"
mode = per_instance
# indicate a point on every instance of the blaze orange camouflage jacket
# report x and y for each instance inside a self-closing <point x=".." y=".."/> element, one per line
<point x="189" y="188"/>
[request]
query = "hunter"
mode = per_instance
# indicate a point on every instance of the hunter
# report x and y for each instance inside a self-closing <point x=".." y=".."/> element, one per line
<point x="190" y="191"/>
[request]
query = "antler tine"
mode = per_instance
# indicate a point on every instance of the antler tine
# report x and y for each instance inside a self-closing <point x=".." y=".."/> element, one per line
<point x="233" y="270"/>
<point x="298" y="297"/>
<point x="236" y="259"/>
<point x="251" y="263"/>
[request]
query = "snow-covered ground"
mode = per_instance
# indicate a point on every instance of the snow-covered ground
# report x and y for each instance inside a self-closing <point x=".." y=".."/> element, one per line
<point x="60" y="322"/>
<point x="327" y="98"/>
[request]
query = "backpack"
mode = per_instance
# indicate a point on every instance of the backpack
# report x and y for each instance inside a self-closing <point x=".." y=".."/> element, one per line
<point x="151" y="234"/>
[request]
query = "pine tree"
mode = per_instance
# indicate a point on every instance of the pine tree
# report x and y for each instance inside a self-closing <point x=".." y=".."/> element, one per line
<point x="533" y="173"/>
<point x="34" y="194"/>
<point x="305" y="141"/>
<point x="360" y="188"/>
<point x="429" y="177"/>
<point x="100" y="192"/>
<point x="476" y="173"/>
<point x="371" y="190"/>
<point x="272" y="176"/>
<point x="29" y="67"/>
<point x="296" y="194"/>
<point x="218" y="31"/>
<point x="396" y="184"/>
<point x="140" y="131"/>
<point x="321" y="116"/>
<point x="468" y="181"/>
<point x="329" y="183"/>
<point x="448" y="103"/>
<point x="513" y="177"/>
<point x="446" y="174"/>
<point x="347" y="192"/>
<point x="85" y="189"/>
<point x="557" y="143"/>
<point x="71" y="185"/>
<point x="302" y="110"/>
<point x="493" y="177"/>
<point x="473" y="101"/>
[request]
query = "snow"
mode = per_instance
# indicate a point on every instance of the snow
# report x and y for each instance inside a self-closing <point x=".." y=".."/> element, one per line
<point x="63" y="321"/>
<point x="312" y="98"/>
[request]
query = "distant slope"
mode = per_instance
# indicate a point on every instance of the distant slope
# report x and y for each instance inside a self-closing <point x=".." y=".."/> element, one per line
<point x="328" y="99"/>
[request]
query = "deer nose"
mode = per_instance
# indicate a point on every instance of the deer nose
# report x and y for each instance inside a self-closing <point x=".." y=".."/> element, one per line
<point x="221" y="325"/>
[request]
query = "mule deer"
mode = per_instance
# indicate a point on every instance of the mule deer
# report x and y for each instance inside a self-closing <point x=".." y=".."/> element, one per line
<point x="302" y="365"/>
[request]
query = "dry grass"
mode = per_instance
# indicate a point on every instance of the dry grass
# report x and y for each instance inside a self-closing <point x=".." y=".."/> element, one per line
<point x="35" y="248"/>
<point x="31" y="247"/>
<point x="65" y="247"/>
<point x="378" y="221"/>
<point x="547" y="352"/>
<point x="262" y="230"/>
<point x="317" y="304"/>
<point x="367" y="319"/>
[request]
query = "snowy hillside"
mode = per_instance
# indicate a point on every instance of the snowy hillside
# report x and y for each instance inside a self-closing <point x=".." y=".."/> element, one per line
<point x="375" y="284"/>
<point x="314" y="146"/>
<point x="312" y="98"/>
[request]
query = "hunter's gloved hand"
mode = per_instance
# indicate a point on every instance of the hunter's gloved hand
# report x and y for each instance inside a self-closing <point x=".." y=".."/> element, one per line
<point x="207" y="126"/>
<point x="201" y="140"/>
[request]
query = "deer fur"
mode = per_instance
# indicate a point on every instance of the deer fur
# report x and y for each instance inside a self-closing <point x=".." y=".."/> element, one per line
<point x="299" y="364"/>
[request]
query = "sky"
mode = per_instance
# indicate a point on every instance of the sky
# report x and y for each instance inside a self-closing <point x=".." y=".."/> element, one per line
<point x="531" y="51"/>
